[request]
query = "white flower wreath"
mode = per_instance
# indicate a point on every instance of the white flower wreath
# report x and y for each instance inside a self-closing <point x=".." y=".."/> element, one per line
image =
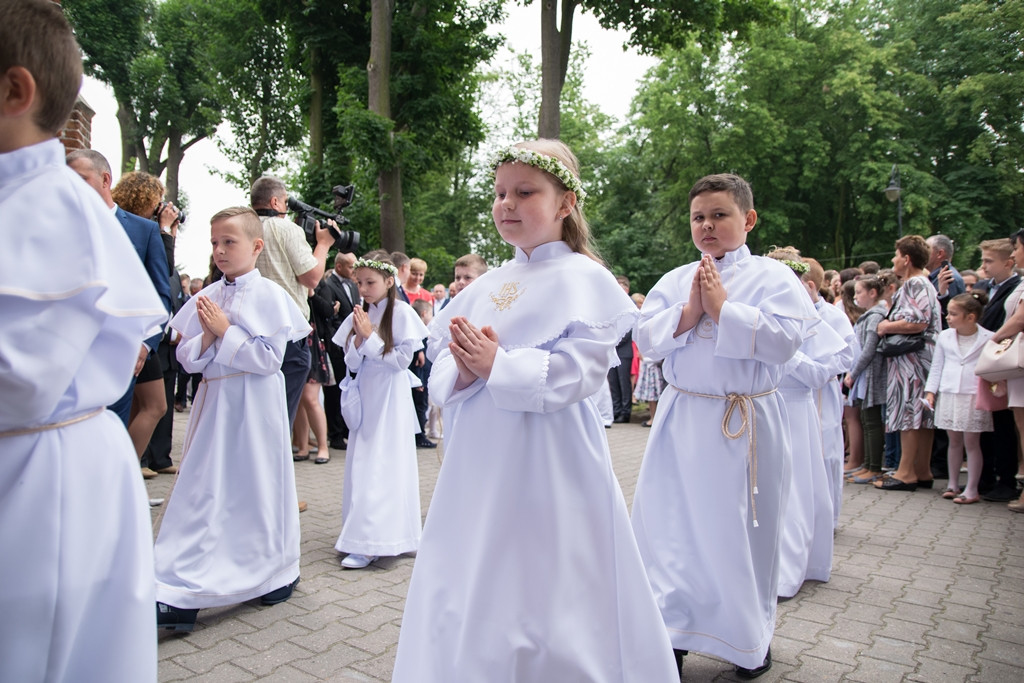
<point x="543" y="162"/>
<point x="376" y="265"/>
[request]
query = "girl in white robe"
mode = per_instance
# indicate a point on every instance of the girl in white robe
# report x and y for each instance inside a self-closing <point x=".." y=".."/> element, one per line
<point x="381" y="504"/>
<point x="528" y="571"/>
<point x="76" y="553"/>
<point x="230" y="532"/>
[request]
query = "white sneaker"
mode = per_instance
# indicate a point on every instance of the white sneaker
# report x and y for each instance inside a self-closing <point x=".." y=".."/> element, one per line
<point x="355" y="561"/>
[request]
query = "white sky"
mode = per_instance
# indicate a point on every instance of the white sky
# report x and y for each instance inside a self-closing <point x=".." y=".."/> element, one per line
<point x="610" y="82"/>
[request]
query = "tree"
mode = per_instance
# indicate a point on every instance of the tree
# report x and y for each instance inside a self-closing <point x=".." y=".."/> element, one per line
<point x="653" y="26"/>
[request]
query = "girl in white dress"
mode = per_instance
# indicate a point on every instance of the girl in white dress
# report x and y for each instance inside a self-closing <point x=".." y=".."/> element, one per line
<point x="528" y="571"/>
<point x="381" y="504"/>
<point x="952" y="377"/>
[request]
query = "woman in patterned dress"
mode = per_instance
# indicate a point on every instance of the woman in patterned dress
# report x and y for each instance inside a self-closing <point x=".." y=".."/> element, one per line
<point x="915" y="308"/>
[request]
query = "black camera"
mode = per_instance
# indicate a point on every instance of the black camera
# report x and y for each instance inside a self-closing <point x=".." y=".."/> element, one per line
<point x="160" y="209"/>
<point x="306" y="216"/>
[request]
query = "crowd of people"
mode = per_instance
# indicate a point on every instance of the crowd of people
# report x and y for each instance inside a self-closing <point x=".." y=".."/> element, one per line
<point x="795" y="379"/>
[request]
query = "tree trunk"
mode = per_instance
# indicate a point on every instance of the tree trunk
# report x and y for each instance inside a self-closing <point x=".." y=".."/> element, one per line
<point x="389" y="180"/>
<point x="555" y="44"/>
<point x="175" y="154"/>
<point x="316" y="109"/>
<point x="126" y="121"/>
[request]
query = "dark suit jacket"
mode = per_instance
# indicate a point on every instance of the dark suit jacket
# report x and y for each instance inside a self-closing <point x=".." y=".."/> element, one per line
<point x="993" y="317"/>
<point x="145" y="237"/>
<point x="333" y="288"/>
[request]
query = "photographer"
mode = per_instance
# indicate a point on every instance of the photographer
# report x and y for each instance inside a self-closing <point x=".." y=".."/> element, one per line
<point x="286" y="259"/>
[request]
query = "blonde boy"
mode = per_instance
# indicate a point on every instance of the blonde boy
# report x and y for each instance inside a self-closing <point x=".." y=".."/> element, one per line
<point x="231" y="530"/>
<point x="713" y="482"/>
<point x="76" y="559"/>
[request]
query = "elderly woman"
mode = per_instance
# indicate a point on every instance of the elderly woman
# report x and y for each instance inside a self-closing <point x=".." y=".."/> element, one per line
<point x="915" y="309"/>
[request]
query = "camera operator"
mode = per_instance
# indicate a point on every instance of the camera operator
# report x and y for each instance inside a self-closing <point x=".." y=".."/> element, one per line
<point x="287" y="260"/>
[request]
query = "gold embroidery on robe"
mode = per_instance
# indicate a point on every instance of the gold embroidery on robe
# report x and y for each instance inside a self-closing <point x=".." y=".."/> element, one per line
<point x="506" y="297"/>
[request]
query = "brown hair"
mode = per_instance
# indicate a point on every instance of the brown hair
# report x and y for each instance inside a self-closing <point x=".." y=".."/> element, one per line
<point x="384" y="330"/>
<point x="474" y="261"/>
<point x="915" y="248"/>
<point x="815" y="273"/>
<point x="850" y="307"/>
<point x="138" y="193"/>
<point x="35" y="36"/>
<point x="250" y="223"/>
<point x="872" y="282"/>
<point x="972" y="303"/>
<point x="575" y="229"/>
<point x="726" y="182"/>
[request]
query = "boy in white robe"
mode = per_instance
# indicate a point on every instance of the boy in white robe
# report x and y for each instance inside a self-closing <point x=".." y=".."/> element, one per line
<point x="231" y="529"/>
<point x="714" y="478"/>
<point x="76" y="559"/>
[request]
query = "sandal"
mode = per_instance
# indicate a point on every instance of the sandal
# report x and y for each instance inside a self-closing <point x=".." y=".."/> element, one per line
<point x="963" y="500"/>
<point x="866" y="480"/>
<point x="950" y="493"/>
<point x="894" y="484"/>
<point x="299" y="457"/>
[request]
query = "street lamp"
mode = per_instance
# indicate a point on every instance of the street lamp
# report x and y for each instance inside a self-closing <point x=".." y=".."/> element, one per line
<point x="893" y="194"/>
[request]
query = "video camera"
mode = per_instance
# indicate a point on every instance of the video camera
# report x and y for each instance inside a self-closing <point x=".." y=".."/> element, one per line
<point x="306" y="216"/>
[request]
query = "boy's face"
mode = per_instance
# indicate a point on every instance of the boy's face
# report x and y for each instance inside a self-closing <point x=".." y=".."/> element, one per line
<point x="234" y="252"/>
<point x="996" y="265"/>
<point x="463" y="276"/>
<point x="717" y="223"/>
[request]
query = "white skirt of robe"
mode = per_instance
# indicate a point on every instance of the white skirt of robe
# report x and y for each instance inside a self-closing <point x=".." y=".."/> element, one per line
<point x="805" y="550"/>
<point x="521" y="489"/>
<point x="714" y="573"/>
<point x="832" y="439"/>
<point x="381" y="504"/>
<point x="231" y="529"/>
<point x="77" y="604"/>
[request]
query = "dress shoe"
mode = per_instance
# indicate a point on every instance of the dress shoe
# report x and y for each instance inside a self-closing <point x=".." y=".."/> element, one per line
<point x="356" y="561"/>
<point x="622" y="419"/>
<point x="281" y="594"/>
<point x="1016" y="505"/>
<point x="173" y="469"/>
<point x="179" y="407"/>
<point x="679" y="654"/>
<point x="424" y="442"/>
<point x="175" y="618"/>
<point x="148" y="473"/>
<point x="926" y="483"/>
<point x="302" y="506"/>
<point x="338" y="444"/>
<point x="754" y="673"/>
<point x="1001" y="494"/>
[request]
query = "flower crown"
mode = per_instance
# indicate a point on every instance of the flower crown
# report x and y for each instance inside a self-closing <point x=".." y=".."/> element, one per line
<point x="798" y="267"/>
<point x="376" y="265"/>
<point x="551" y="165"/>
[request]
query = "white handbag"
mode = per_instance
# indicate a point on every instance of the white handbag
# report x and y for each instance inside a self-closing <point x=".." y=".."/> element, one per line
<point x="351" y="402"/>
<point x="1001" y="360"/>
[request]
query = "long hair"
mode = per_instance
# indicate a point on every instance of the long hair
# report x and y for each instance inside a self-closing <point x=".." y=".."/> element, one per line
<point x="384" y="330"/>
<point x="575" y="229"/>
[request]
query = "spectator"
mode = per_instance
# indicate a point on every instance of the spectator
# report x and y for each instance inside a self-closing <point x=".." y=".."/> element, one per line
<point x="339" y="289"/>
<point x="413" y="288"/>
<point x="467" y="269"/>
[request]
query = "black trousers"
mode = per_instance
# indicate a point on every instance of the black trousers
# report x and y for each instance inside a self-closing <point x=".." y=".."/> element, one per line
<point x="295" y="368"/>
<point x="999" y="451"/>
<point x="157" y="455"/>
<point x="622" y="392"/>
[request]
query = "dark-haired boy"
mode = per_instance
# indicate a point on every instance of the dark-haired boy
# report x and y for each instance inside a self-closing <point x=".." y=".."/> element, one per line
<point x="76" y="566"/>
<point x="715" y="477"/>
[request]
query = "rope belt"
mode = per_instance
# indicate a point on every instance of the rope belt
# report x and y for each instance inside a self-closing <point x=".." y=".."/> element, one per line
<point x="52" y="425"/>
<point x="748" y="425"/>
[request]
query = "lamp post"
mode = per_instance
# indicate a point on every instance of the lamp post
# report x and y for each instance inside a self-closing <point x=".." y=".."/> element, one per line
<point x="893" y="194"/>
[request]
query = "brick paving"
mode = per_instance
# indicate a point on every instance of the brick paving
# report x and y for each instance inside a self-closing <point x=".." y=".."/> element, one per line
<point x="921" y="590"/>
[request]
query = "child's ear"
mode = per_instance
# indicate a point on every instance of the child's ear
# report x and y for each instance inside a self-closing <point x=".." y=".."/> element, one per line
<point x="749" y="220"/>
<point x="568" y="202"/>
<point x="257" y="245"/>
<point x="17" y="92"/>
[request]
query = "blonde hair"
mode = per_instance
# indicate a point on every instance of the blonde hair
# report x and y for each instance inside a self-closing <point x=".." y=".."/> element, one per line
<point x="250" y="223"/>
<point x="575" y="229"/>
<point x="418" y="264"/>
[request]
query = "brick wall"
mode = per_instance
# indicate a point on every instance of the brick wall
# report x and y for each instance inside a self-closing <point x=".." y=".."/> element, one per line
<point x="77" y="133"/>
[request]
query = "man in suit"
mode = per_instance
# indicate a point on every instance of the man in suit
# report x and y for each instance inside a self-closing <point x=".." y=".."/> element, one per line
<point x="999" y="447"/>
<point x="339" y="289"/>
<point x="145" y="237"/>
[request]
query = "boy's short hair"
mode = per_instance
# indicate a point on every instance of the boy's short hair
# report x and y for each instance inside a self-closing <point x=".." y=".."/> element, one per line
<point x="1002" y="246"/>
<point x="473" y="261"/>
<point x="726" y="182"/>
<point x="847" y="274"/>
<point x="249" y="221"/>
<point x="265" y="189"/>
<point x="815" y="273"/>
<point x="35" y="35"/>
<point x="399" y="259"/>
<point x="418" y="264"/>
<point x="915" y="248"/>
<point x="421" y="306"/>
<point x="869" y="267"/>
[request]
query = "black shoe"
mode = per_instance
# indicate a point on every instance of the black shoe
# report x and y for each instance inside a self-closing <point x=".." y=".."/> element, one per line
<point x="338" y="444"/>
<point x="754" y="673"/>
<point x="1001" y="494"/>
<point x="679" y="659"/>
<point x="424" y="442"/>
<point x="175" y="618"/>
<point x="622" y="419"/>
<point x="279" y="595"/>
<point x="926" y="483"/>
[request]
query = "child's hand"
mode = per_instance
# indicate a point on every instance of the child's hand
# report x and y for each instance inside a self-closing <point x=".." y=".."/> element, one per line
<point x="475" y="348"/>
<point x="930" y="398"/>
<point x="848" y="381"/>
<point x="211" y="318"/>
<point x="712" y="293"/>
<point x="692" y="309"/>
<point x="361" y="324"/>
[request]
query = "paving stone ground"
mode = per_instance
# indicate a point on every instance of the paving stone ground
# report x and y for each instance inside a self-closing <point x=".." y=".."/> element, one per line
<point x="921" y="590"/>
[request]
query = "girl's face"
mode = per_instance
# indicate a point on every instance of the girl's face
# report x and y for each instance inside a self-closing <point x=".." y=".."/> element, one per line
<point x="373" y="284"/>
<point x="528" y="207"/>
<point x="865" y="297"/>
<point x="960" y="320"/>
